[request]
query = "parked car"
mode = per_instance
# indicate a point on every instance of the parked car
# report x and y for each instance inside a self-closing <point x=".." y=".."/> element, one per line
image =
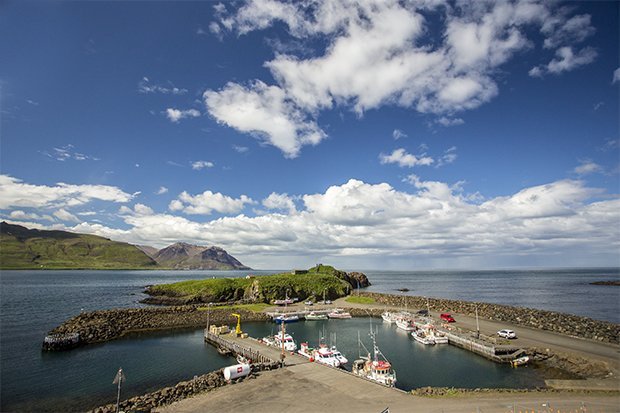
<point x="507" y="333"/>
<point x="447" y="317"/>
<point x="328" y="301"/>
<point x="422" y="312"/>
<point x="308" y="302"/>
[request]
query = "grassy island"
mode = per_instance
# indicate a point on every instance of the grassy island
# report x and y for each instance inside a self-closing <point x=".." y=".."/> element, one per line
<point x="310" y="284"/>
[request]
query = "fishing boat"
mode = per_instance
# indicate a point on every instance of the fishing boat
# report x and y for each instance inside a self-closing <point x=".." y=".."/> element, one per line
<point x="338" y="313"/>
<point x="285" y="341"/>
<point x="405" y="324"/>
<point x="520" y="361"/>
<point x="339" y="356"/>
<point x="306" y="351"/>
<point x="312" y="316"/>
<point x="422" y="336"/>
<point x="388" y="317"/>
<point x="440" y="338"/>
<point x="324" y="355"/>
<point x="377" y="368"/>
<point x="286" y="319"/>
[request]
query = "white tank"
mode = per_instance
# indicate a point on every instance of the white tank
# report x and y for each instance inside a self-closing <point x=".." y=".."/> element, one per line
<point x="238" y="370"/>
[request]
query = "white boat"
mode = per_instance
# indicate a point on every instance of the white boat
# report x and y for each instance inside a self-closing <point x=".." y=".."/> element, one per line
<point x="388" y="317"/>
<point x="440" y="338"/>
<point x="405" y="324"/>
<point x="337" y="313"/>
<point x="286" y="319"/>
<point x="520" y="361"/>
<point x="287" y="340"/>
<point x="376" y="368"/>
<point x="423" y="337"/>
<point x="312" y="316"/>
<point x="306" y="351"/>
<point x="339" y="356"/>
<point x="325" y="356"/>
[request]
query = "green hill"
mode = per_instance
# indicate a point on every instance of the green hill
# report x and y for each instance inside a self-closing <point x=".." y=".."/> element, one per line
<point x="266" y="288"/>
<point x="23" y="248"/>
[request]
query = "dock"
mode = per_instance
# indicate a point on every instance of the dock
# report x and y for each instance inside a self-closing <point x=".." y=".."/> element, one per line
<point x="496" y="353"/>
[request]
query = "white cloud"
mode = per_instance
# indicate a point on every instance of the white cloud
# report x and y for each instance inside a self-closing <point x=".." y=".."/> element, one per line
<point x="198" y="165"/>
<point x="175" y="115"/>
<point x="404" y="159"/>
<point x="565" y="60"/>
<point x="397" y="134"/>
<point x="587" y="167"/>
<point x="616" y="76"/>
<point x="382" y="52"/>
<point x="280" y="202"/>
<point x="66" y="153"/>
<point x="240" y="149"/>
<point x="138" y="210"/>
<point x="15" y="193"/>
<point x="447" y="121"/>
<point x="22" y="215"/>
<point x="448" y="157"/>
<point x="561" y="222"/>
<point x="266" y="112"/>
<point x="65" y="215"/>
<point x="145" y="86"/>
<point x="207" y="202"/>
<point x="162" y="190"/>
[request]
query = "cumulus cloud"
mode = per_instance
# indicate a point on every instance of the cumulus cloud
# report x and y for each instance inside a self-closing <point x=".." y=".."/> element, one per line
<point x="563" y="221"/>
<point x="175" y="115"/>
<point x="198" y="165"/>
<point x="447" y="121"/>
<point x="383" y="53"/>
<point x="65" y="215"/>
<point x="404" y="159"/>
<point x="15" y="193"/>
<point x="22" y="216"/>
<point x="207" y="202"/>
<point x="266" y="112"/>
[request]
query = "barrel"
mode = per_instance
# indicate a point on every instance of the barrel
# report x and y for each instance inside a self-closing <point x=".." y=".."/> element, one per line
<point x="236" y="371"/>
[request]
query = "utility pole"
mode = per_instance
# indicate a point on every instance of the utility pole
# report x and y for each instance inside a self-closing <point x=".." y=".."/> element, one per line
<point x="118" y="379"/>
<point x="282" y="355"/>
<point x="477" y="324"/>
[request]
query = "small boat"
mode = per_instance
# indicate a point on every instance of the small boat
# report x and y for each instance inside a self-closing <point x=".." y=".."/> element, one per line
<point x="405" y="324"/>
<point x="377" y="368"/>
<point x="278" y="341"/>
<point x="286" y="319"/>
<point x="440" y="338"/>
<point x="339" y="314"/>
<point x="423" y="337"/>
<point x="520" y="361"/>
<point x="243" y="360"/>
<point x="388" y="317"/>
<point x="306" y="351"/>
<point x="312" y="316"/>
<point x="339" y="356"/>
<point x="325" y="356"/>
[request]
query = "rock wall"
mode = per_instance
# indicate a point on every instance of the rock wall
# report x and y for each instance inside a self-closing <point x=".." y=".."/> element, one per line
<point x="182" y="390"/>
<point x="562" y="323"/>
<point x="99" y="326"/>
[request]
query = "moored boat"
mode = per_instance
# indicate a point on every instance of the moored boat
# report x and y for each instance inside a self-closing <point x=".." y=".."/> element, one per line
<point x="338" y="313"/>
<point x="280" y="341"/>
<point x="377" y="368"/>
<point x="388" y="317"/>
<point x="286" y="319"/>
<point x="312" y="316"/>
<point x="325" y="356"/>
<point x="339" y="356"/>
<point x="423" y="337"/>
<point x="405" y="324"/>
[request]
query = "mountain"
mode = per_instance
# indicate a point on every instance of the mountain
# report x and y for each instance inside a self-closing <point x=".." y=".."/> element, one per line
<point x="183" y="256"/>
<point x="23" y="248"/>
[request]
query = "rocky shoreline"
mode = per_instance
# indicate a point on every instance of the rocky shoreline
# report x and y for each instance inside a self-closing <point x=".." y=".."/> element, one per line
<point x="106" y="325"/>
<point x="567" y="324"/>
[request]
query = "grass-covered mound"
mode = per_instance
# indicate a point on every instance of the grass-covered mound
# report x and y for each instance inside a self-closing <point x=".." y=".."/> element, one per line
<point x="259" y="289"/>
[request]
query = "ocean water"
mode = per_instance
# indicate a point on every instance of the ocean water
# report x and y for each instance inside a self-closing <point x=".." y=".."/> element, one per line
<point x="33" y="302"/>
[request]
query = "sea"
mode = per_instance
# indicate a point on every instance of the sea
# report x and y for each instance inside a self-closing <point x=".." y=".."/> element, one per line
<point x="34" y="302"/>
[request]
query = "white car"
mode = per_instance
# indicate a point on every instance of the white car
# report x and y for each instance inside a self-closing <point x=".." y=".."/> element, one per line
<point x="507" y="334"/>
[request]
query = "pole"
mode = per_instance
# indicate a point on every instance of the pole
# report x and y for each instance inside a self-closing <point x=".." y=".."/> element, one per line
<point x="282" y="356"/>
<point x="477" y="324"/>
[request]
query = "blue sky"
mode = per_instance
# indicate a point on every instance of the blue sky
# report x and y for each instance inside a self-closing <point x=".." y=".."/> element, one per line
<point x="365" y="134"/>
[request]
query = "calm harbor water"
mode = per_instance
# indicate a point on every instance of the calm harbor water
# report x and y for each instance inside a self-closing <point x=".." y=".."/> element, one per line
<point x="33" y="302"/>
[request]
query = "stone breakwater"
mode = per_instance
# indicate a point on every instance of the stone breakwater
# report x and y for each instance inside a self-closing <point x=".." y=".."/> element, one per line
<point x="182" y="390"/>
<point x="562" y="323"/>
<point x="105" y="325"/>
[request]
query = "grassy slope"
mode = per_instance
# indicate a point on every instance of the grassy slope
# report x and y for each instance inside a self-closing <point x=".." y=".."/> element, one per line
<point x="268" y="287"/>
<point x="21" y="248"/>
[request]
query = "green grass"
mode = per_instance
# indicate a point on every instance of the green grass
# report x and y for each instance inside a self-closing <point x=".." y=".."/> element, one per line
<point x="360" y="300"/>
<point x="263" y="289"/>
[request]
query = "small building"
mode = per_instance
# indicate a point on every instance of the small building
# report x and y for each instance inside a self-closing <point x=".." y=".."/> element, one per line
<point x="298" y="272"/>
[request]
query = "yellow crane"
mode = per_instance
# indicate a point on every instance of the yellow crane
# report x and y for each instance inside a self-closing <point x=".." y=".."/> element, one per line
<point x="238" y="331"/>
